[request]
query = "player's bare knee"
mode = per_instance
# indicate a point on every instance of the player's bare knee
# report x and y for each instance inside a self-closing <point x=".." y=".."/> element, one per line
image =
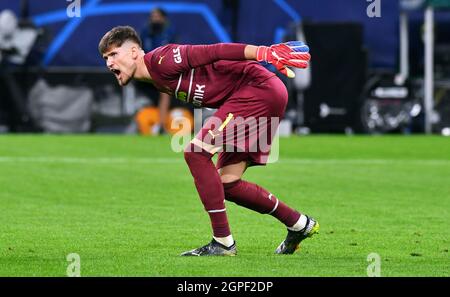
<point x="229" y="178"/>
<point x="232" y="173"/>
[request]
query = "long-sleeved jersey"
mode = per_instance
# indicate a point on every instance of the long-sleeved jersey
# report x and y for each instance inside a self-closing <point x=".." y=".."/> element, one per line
<point x="204" y="75"/>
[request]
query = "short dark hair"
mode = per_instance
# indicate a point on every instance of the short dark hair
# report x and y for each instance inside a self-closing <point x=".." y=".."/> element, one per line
<point x="117" y="36"/>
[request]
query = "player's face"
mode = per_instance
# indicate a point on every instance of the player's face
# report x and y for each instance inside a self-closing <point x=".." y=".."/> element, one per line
<point x="122" y="62"/>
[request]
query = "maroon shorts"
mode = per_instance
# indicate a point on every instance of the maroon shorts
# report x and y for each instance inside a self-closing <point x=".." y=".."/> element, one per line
<point x="242" y="128"/>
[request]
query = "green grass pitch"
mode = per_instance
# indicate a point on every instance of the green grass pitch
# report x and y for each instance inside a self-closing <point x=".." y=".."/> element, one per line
<point x="127" y="205"/>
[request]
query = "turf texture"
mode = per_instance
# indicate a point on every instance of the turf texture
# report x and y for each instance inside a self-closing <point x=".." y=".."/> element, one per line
<point x="127" y="206"/>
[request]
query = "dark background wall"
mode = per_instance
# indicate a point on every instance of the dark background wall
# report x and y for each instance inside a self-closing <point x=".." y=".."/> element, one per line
<point x="74" y="41"/>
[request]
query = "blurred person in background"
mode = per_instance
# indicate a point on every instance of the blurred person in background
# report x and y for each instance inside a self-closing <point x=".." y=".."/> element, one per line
<point x="19" y="40"/>
<point x="157" y="32"/>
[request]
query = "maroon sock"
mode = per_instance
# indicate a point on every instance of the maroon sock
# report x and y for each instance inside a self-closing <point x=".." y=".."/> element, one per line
<point x="258" y="199"/>
<point x="209" y="188"/>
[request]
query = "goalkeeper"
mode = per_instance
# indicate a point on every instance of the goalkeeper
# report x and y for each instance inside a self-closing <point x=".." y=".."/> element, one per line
<point x="249" y="100"/>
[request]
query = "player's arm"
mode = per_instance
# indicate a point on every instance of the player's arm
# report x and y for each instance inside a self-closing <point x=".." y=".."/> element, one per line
<point x="186" y="57"/>
<point x="174" y="59"/>
<point x="291" y="53"/>
<point x="163" y="106"/>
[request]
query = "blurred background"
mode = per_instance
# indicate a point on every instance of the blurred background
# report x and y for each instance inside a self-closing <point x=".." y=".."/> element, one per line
<point x="377" y="66"/>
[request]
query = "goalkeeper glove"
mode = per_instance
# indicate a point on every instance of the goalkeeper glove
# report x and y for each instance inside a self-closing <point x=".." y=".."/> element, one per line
<point x="291" y="53"/>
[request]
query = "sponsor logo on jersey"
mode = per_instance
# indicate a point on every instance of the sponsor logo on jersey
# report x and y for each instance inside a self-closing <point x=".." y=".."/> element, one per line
<point x="177" y="55"/>
<point x="182" y="96"/>
<point x="160" y="59"/>
<point x="199" y="94"/>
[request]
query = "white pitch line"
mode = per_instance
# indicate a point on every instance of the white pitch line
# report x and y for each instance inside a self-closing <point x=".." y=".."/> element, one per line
<point x="119" y="160"/>
<point x="367" y="161"/>
<point x="87" y="160"/>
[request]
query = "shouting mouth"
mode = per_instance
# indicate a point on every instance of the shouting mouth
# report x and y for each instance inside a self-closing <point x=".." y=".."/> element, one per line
<point x="116" y="72"/>
<point x="122" y="78"/>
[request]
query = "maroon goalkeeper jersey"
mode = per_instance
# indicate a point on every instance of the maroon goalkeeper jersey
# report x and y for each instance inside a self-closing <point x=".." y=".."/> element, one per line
<point x="204" y="75"/>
